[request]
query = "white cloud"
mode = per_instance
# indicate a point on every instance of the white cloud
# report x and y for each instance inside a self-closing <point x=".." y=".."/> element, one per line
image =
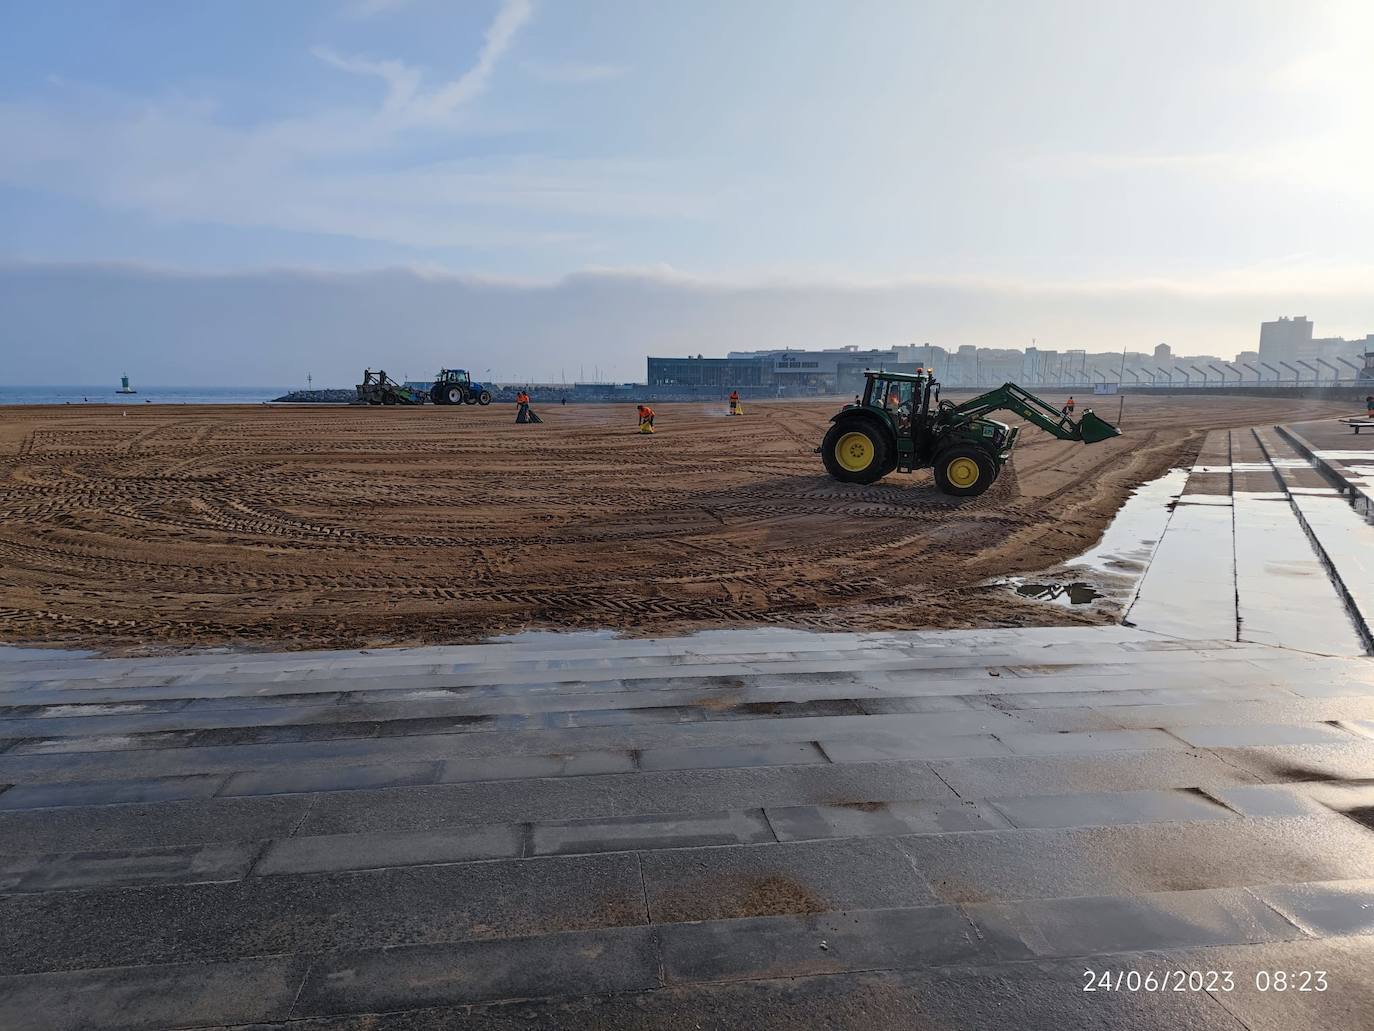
<point x="509" y="19"/>
<point x="406" y="101"/>
<point x="401" y="79"/>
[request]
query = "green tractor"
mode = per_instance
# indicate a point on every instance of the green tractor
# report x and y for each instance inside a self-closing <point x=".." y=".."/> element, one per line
<point x="900" y="424"/>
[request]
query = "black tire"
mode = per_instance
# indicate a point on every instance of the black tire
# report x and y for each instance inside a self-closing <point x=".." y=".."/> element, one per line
<point x="387" y="399"/>
<point x="436" y="394"/>
<point x="956" y="477"/>
<point x="484" y="398"/>
<point x="454" y="395"/>
<point x="843" y="452"/>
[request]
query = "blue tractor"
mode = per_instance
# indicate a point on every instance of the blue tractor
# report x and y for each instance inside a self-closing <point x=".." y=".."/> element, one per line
<point x="455" y="387"/>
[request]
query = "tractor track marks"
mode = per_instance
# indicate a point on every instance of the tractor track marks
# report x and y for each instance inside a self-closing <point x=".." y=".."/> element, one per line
<point x="336" y="528"/>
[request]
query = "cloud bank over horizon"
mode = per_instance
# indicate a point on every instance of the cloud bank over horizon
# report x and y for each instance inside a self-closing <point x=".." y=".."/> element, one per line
<point x="69" y="323"/>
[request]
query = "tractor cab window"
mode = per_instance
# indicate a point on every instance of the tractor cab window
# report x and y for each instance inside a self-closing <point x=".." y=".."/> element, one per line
<point x="895" y="396"/>
<point x="891" y="394"/>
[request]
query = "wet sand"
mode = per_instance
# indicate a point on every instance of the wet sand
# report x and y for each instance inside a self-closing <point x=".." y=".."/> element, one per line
<point x="180" y="527"/>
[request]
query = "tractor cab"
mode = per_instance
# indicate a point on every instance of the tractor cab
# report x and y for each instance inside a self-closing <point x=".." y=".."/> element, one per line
<point x="905" y="399"/>
<point x="459" y="376"/>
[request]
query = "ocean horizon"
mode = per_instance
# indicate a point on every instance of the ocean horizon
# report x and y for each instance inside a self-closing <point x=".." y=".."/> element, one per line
<point x="158" y="395"/>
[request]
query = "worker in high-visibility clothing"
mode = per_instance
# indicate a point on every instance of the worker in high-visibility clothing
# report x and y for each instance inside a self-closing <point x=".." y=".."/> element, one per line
<point x="734" y="402"/>
<point x="646" y="419"/>
<point x="1068" y="407"/>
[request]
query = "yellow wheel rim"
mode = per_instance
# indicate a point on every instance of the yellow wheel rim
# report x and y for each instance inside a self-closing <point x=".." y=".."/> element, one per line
<point x="854" y="452"/>
<point x="963" y="472"/>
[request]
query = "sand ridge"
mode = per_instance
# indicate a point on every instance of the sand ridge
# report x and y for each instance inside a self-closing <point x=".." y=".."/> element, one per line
<point x="170" y="527"/>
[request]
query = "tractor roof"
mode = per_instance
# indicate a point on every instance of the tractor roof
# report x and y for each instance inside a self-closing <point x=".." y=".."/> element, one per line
<point x="907" y="377"/>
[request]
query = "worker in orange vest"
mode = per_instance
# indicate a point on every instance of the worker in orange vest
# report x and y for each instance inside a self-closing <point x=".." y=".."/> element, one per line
<point x="734" y="402"/>
<point x="522" y="406"/>
<point x="646" y="419"/>
<point x="1068" y="407"/>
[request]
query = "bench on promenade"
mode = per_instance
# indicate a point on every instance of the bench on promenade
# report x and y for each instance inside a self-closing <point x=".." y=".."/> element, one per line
<point x="1359" y="424"/>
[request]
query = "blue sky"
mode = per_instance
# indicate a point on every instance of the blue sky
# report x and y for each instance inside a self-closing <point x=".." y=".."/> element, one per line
<point x="1066" y="153"/>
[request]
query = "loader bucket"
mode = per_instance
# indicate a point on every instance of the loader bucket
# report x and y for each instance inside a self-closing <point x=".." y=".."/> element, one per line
<point x="1092" y="429"/>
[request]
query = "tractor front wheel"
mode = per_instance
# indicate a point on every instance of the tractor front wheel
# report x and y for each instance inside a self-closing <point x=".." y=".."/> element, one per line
<point x="436" y="394"/>
<point x="484" y="398"/>
<point x="857" y="451"/>
<point x="964" y="471"/>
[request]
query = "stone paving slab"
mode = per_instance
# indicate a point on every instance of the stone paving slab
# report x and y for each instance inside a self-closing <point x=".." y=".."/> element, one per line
<point x="41" y="796"/>
<point x="305" y="913"/>
<point x="628" y="832"/>
<point x="791" y="946"/>
<point x="1349" y="760"/>
<point x="1324" y="910"/>
<point x="1140" y="858"/>
<point x="859" y="819"/>
<point x="39" y="872"/>
<point x="85" y="828"/>
<point x="1088" y="926"/>
<point x="1072" y="774"/>
<point x="175" y="995"/>
<point x="1105" y="808"/>
<point x="613" y="960"/>
<point x="696" y="884"/>
<point x="328" y="853"/>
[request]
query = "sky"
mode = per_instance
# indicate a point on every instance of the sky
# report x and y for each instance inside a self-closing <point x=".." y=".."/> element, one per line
<point x="264" y="190"/>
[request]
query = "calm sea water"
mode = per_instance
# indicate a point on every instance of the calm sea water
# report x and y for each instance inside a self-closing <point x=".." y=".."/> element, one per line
<point x="105" y="395"/>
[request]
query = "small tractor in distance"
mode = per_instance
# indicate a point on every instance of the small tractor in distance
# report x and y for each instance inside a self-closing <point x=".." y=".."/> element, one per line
<point x="900" y="424"/>
<point x="455" y="387"/>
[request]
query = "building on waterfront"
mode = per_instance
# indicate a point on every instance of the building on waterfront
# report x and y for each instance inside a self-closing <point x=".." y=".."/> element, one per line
<point x="1291" y="340"/>
<point x="1287" y="351"/>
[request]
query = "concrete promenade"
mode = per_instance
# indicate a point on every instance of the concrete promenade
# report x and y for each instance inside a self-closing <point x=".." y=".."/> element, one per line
<point x="745" y="829"/>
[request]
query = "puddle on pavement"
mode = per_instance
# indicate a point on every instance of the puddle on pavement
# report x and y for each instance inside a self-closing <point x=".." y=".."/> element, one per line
<point x="1111" y="569"/>
<point x="1131" y="536"/>
<point x="1075" y="593"/>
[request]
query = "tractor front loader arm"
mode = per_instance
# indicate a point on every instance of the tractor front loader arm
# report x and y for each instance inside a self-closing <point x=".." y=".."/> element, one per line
<point x="1009" y="397"/>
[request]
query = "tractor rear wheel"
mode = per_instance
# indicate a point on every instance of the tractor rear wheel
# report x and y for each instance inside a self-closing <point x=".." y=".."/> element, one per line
<point x="484" y="398"/>
<point x="857" y="451"/>
<point x="964" y="471"/>
<point x="454" y="395"/>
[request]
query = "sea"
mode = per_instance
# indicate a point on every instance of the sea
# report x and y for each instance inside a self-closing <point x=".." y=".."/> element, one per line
<point x="105" y="395"/>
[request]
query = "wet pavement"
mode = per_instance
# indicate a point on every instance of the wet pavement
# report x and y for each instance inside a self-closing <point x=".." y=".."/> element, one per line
<point x="763" y="828"/>
<point x="1278" y="556"/>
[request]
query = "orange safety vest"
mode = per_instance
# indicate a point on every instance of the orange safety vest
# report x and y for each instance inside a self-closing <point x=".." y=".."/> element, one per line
<point x="645" y="411"/>
<point x="522" y="398"/>
<point x="734" y="395"/>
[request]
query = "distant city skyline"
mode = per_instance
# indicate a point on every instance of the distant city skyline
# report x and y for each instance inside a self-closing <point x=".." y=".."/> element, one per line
<point x="305" y="187"/>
